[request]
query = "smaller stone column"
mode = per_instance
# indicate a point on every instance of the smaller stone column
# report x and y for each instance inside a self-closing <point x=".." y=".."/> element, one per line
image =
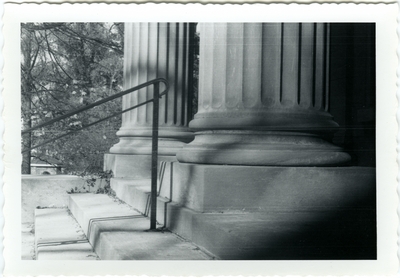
<point x="154" y="50"/>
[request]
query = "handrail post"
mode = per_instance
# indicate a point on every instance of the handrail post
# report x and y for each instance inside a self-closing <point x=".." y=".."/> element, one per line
<point x="154" y="157"/>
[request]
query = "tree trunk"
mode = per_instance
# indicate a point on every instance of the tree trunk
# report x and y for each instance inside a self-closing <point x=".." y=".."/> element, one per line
<point x="26" y="143"/>
<point x="26" y="90"/>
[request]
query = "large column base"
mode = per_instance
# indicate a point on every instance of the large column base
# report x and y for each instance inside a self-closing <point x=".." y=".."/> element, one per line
<point x="236" y="147"/>
<point x="278" y="213"/>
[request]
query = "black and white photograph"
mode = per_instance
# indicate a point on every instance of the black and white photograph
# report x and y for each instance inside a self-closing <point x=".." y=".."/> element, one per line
<point x="185" y="141"/>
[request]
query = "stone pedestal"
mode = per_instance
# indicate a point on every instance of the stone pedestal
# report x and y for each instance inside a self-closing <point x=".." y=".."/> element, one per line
<point x="263" y="96"/>
<point x="263" y="212"/>
<point x="154" y="50"/>
<point x="215" y="188"/>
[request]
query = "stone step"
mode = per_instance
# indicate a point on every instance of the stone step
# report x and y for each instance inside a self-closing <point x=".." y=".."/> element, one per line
<point x="346" y="234"/>
<point x="118" y="232"/>
<point x="59" y="237"/>
<point x="137" y="193"/>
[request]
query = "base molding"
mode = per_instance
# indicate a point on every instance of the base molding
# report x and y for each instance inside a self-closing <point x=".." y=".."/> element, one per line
<point x="133" y="166"/>
<point x="269" y="148"/>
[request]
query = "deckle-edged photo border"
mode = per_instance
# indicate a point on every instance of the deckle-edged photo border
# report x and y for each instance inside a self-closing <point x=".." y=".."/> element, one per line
<point x="384" y="15"/>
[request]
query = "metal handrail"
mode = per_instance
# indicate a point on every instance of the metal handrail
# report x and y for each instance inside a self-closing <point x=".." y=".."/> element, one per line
<point x="104" y="100"/>
<point x="154" y="151"/>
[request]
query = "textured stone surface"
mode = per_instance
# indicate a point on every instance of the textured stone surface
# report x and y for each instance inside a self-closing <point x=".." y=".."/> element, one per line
<point x="307" y="235"/>
<point x="262" y="188"/>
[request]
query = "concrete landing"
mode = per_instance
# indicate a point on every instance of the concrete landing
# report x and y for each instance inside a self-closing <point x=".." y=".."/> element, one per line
<point x="118" y="232"/>
<point x="59" y="237"/>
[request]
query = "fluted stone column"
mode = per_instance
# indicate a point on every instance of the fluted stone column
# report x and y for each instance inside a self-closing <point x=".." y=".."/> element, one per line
<point x="156" y="50"/>
<point x="263" y="96"/>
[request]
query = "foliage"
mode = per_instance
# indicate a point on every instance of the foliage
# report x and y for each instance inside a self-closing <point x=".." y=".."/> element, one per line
<point x="195" y="96"/>
<point x="99" y="182"/>
<point x="106" y="188"/>
<point x="65" y="66"/>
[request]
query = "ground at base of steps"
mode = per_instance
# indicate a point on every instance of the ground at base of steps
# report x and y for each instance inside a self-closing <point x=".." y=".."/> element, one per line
<point x="59" y="237"/>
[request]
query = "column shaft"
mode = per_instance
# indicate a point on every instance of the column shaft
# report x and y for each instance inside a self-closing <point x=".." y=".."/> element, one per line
<point x="272" y="75"/>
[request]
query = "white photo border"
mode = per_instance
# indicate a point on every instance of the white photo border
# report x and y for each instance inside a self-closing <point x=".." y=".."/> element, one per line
<point x="385" y="17"/>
